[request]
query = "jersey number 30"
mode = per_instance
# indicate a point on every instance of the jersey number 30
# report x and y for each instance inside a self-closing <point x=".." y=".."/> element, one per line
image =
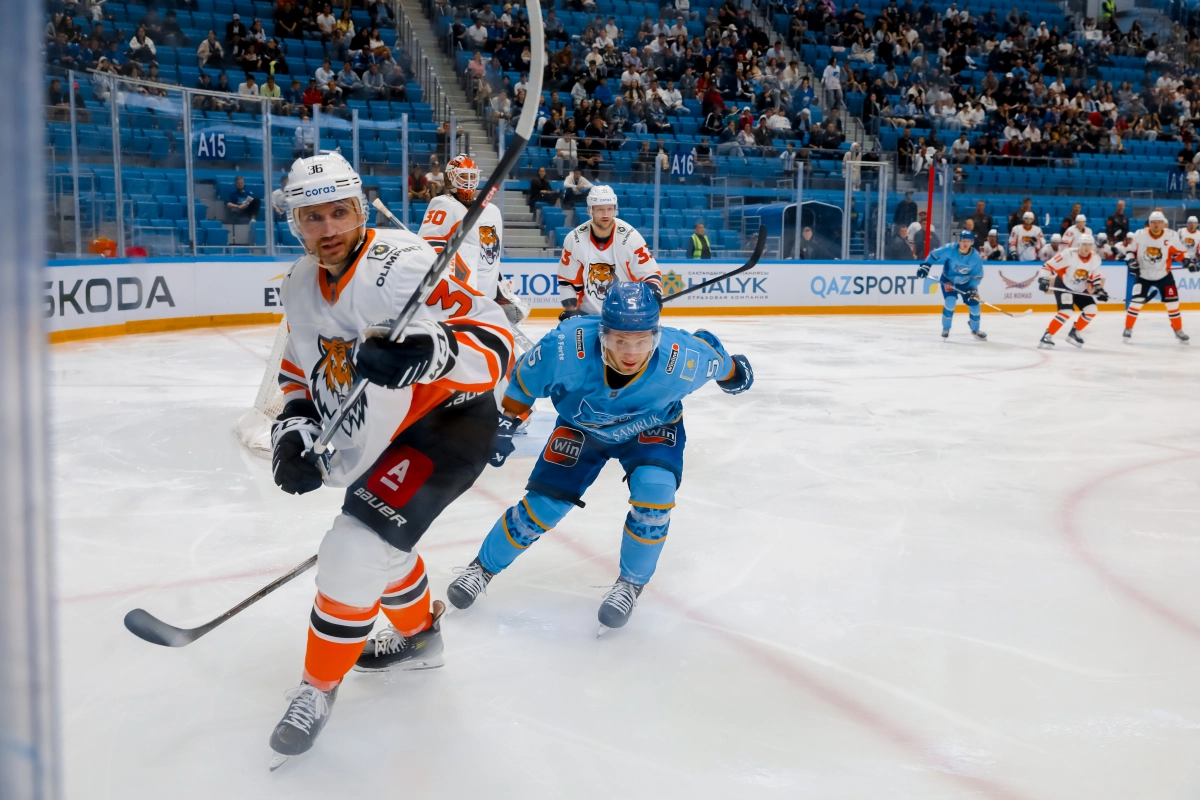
<point x="435" y="217"/>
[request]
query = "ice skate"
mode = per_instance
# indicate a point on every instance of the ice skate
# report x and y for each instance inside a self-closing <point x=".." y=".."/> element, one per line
<point x="945" y="333"/>
<point x="1046" y="342"/>
<point x="306" y="715"/>
<point x="980" y="335"/>
<point x="471" y="582"/>
<point x="1074" y="338"/>
<point x="1182" y="337"/>
<point x="388" y="651"/>
<point x="618" y="605"/>
<point x="1127" y="335"/>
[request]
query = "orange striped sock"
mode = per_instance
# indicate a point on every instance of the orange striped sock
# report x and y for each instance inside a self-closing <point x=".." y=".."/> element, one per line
<point x="336" y="635"/>
<point x="1083" y="321"/>
<point x="406" y="602"/>
<point x="1056" y="324"/>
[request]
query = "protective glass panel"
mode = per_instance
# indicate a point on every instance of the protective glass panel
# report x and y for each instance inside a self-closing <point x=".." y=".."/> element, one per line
<point x="153" y="177"/>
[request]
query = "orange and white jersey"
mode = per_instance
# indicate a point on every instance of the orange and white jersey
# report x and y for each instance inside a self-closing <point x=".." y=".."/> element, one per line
<point x="1155" y="254"/>
<point x="1077" y="273"/>
<point x="327" y="318"/>
<point x="588" y="267"/>
<point x="1070" y="237"/>
<point x="477" y="262"/>
<point x="1049" y="251"/>
<point x="1025" y="242"/>
<point x="1189" y="239"/>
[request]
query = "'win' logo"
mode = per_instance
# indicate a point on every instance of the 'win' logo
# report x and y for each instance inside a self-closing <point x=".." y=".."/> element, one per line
<point x="564" y="447"/>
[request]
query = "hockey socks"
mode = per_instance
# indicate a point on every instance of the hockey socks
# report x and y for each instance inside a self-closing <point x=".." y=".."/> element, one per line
<point x="1059" y="320"/>
<point x="406" y="602"/>
<point x="1085" y="318"/>
<point x="651" y="498"/>
<point x="1131" y="314"/>
<point x="1173" y="315"/>
<point x="518" y="528"/>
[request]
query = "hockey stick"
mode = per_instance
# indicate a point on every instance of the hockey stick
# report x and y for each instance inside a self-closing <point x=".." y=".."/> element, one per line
<point x="1018" y="315"/>
<point x="434" y="276"/>
<point x="523" y="340"/>
<point x="749" y="265"/>
<point x="144" y="625"/>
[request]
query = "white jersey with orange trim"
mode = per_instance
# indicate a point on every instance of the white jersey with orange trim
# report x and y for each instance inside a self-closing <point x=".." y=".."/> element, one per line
<point x="1155" y="254"/>
<point x="1048" y="252"/>
<point x="477" y="261"/>
<point x="1070" y="237"/>
<point x="327" y="320"/>
<point x="1025" y="242"/>
<point x="1190" y="240"/>
<point x="1077" y="273"/>
<point x="587" y="268"/>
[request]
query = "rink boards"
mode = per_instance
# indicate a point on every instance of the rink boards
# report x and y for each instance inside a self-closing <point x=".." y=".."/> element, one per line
<point x="112" y="297"/>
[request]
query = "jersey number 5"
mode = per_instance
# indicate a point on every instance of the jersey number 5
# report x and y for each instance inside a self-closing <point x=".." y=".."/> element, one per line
<point x="457" y="299"/>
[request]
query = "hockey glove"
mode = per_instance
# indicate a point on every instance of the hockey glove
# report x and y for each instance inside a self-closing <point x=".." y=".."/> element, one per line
<point x="1044" y="284"/>
<point x="743" y="376"/>
<point x="515" y="307"/>
<point x="291" y="435"/>
<point x="1102" y="295"/>
<point x="923" y="270"/>
<point x="1191" y="265"/>
<point x="503" y="446"/>
<point x="424" y="353"/>
<point x="970" y="294"/>
<point x="1132" y="262"/>
<point x="567" y="313"/>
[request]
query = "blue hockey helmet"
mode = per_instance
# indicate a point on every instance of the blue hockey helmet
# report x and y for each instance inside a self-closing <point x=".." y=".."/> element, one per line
<point x="631" y="308"/>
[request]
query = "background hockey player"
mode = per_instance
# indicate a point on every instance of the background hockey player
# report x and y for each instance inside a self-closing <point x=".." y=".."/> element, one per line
<point x="1189" y="235"/>
<point x="1105" y="249"/>
<point x="600" y="253"/>
<point x="1150" y="256"/>
<point x="1051" y="247"/>
<point x="618" y="382"/>
<point x="1026" y="240"/>
<point x="992" y="249"/>
<point x="1074" y="278"/>
<point x="962" y="270"/>
<point x="1070" y="236"/>
<point x="417" y="438"/>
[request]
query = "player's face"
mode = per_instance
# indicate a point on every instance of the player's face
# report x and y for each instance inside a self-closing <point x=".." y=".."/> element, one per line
<point x="1156" y="227"/>
<point x="628" y="351"/>
<point x="964" y="246"/>
<point x="1085" y="249"/>
<point x="1191" y="227"/>
<point x="330" y="230"/>
<point x="603" y="218"/>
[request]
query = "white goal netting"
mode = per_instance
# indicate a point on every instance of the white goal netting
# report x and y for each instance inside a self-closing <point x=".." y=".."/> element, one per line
<point x="254" y="427"/>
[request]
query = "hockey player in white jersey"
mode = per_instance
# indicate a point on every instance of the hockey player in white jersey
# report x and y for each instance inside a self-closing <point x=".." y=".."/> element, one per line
<point x="417" y="438"/>
<point x="1104" y="248"/>
<point x="1074" y="278"/>
<point x="1150" y="256"/>
<point x="992" y="249"/>
<point x="1051" y="248"/>
<point x="1070" y="237"/>
<point x="1025" y="241"/>
<point x="1190" y="237"/>
<point x="600" y="252"/>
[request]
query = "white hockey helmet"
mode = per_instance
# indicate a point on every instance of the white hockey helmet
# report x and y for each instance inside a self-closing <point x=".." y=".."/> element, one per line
<point x="1027" y="215"/>
<point x="1190" y="220"/>
<point x="993" y="232"/>
<point x="323" y="178"/>
<point x="1080" y="218"/>
<point x="1087" y="238"/>
<point x="601" y="195"/>
<point x="1157" y="216"/>
<point x="1055" y="238"/>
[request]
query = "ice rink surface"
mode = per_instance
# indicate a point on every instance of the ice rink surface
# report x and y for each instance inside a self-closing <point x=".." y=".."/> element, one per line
<point x="899" y="568"/>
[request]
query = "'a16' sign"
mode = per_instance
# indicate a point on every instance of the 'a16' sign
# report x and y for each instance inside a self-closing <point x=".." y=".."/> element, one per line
<point x="210" y="145"/>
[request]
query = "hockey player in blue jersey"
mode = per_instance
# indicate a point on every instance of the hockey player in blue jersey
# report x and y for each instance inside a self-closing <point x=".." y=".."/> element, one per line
<point x="962" y="270"/>
<point x="617" y="381"/>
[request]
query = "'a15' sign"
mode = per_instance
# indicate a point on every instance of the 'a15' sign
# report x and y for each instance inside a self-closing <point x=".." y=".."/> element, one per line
<point x="210" y="145"/>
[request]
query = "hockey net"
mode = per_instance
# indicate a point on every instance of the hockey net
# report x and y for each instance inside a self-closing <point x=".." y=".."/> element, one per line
<point x="254" y="427"/>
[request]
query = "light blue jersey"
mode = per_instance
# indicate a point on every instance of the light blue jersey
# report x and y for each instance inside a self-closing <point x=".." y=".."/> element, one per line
<point x="567" y="367"/>
<point x="964" y="272"/>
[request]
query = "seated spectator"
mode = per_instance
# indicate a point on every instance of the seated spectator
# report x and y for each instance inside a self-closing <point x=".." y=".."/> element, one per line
<point x="271" y="90"/>
<point x="210" y="50"/>
<point x="313" y="96"/>
<point x="899" y="249"/>
<point x="242" y="206"/>
<point x="235" y="27"/>
<point x="703" y="154"/>
<point x="305" y="137"/>
<point x="656" y="117"/>
<point x="324" y="74"/>
<point x="566" y="152"/>
<point x="418" y="187"/>
<point x="374" y="86"/>
<point x="293" y="98"/>
<point x="575" y="188"/>
<point x="540" y="190"/>
<point x="248" y="88"/>
<point x="279" y="202"/>
<point x="141" y="48"/>
<point x="435" y="178"/>
<point x="397" y="85"/>
<point x="349" y="81"/>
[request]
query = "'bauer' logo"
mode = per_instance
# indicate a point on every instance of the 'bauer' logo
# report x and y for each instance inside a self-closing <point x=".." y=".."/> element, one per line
<point x="332" y="379"/>
<point x="564" y="447"/>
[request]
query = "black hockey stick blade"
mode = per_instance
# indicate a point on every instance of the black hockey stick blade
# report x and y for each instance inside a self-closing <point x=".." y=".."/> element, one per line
<point x="146" y="626"/>
<point x="749" y="265"/>
<point x="521" y="136"/>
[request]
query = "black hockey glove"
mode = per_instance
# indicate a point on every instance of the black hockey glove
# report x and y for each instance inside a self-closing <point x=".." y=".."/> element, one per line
<point x="923" y="270"/>
<point x="294" y="432"/>
<point x="743" y="376"/>
<point x="1132" y="262"/>
<point x="1044" y="284"/>
<point x="569" y="311"/>
<point x="1102" y="295"/>
<point x="424" y="352"/>
<point x="503" y="446"/>
<point x="1191" y="265"/>
<point x="970" y="294"/>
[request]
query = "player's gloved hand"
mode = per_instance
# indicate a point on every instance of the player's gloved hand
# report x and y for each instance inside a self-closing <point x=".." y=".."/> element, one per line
<point x="1044" y="284"/>
<point x="970" y="295"/>
<point x="923" y="270"/>
<point x="291" y="435"/>
<point x="743" y="376"/>
<point x="422" y="353"/>
<point x="503" y="445"/>
<point x="1102" y="295"/>
<point x="1132" y="262"/>
<point x="1191" y="265"/>
<point x="567" y="313"/>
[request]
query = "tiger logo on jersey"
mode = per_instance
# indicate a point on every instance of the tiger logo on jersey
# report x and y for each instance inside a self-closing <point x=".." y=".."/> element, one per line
<point x="1080" y="275"/>
<point x="489" y="243"/>
<point x="600" y="277"/>
<point x="1153" y="253"/>
<point x="333" y="377"/>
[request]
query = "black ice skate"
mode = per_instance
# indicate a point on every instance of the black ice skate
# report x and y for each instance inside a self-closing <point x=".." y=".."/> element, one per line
<point x="1046" y="342"/>
<point x="980" y="335"/>
<point x="618" y="604"/>
<point x="307" y="714"/>
<point x="470" y="583"/>
<point x="1127" y="335"/>
<point x="388" y="651"/>
<point x="945" y="333"/>
<point x="1074" y="338"/>
<point x="1182" y="337"/>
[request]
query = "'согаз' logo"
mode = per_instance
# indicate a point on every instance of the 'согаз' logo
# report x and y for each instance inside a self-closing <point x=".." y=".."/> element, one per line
<point x="333" y="377"/>
<point x="672" y="283"/>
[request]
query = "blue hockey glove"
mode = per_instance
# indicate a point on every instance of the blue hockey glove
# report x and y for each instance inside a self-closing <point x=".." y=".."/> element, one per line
<point x="923" y="270"/>
<point x="502" y="446"/>
<point x="294" y="432"/>
<point x="743" y="376"/>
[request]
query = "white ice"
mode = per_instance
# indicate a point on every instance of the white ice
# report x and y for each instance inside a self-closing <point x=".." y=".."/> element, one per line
<point x="899" y="568"/>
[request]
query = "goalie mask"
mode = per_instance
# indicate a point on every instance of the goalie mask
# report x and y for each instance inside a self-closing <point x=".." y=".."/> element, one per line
<point x="462" y="174"/>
